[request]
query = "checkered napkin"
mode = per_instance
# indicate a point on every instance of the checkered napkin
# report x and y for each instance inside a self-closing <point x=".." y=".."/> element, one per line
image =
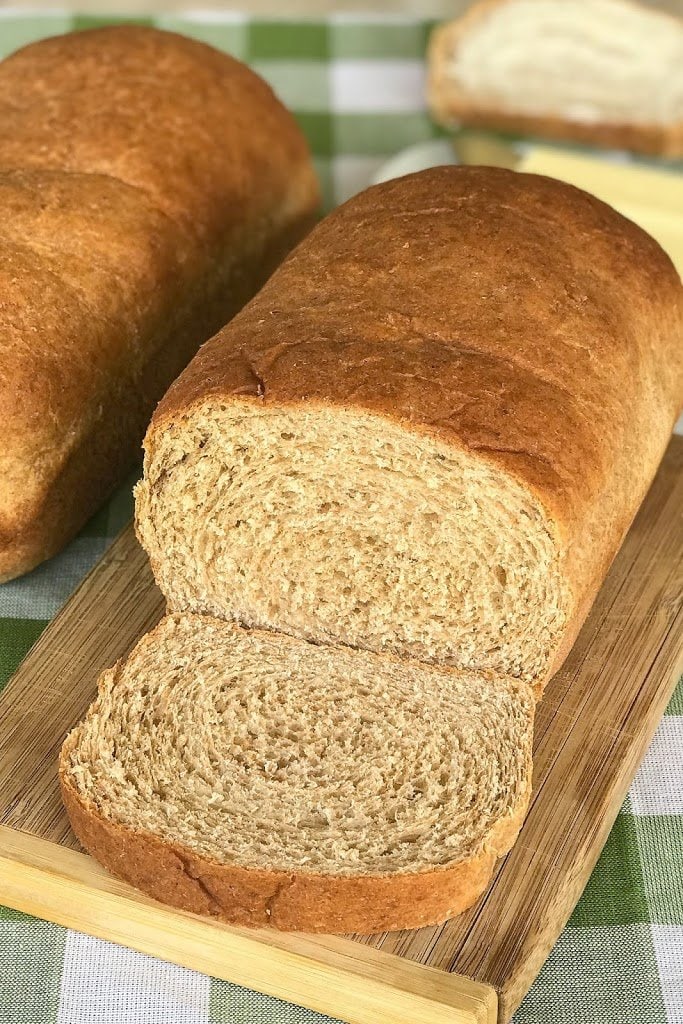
<point x="355" y="84"/>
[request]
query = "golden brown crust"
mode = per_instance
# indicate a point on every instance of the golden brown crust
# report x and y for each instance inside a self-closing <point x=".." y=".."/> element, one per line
<point x="513" y="315"/>
<point x="450" y="108"/>
<point x="192" y="134"/>
<point x="284" y="900"/>
<point x="140" y="211"/>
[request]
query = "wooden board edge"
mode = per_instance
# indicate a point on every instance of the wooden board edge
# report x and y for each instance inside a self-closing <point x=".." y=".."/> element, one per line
<point x="329" y="974"/>
<point x="119" y="551"/>
<point x="518" y="983"/>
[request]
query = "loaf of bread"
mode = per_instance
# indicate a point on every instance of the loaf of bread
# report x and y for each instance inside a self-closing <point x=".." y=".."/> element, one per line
<point x="148" y="185"/>
<point x="422" y="442"/>
<point x="267" y="781"/>
<point x="604" y="72"/>
<point x="430" y="430"/>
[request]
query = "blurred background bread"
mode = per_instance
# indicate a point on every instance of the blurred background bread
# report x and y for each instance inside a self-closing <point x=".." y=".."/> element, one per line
<point x="604" y="72"/>
<point x="148" y="185"/>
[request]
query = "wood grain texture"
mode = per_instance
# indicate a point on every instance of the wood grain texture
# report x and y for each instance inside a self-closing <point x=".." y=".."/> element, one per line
<point x="364" y="985"/>
<point x="113" y="607"/>
<point x="593" y="727"/>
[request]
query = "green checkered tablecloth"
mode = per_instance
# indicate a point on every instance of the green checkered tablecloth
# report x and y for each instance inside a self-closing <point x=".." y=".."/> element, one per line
<point x="355" y="84"/>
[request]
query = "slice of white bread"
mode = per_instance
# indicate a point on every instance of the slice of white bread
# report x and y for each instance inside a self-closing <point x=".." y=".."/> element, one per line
<point x="429" y="432"/>
<point x="269" y="781"/>
<point x="607" y="72"/>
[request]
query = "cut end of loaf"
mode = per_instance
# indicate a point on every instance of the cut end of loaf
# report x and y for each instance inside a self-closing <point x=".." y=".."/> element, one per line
<point x="267" y="764"/>
<point x="337" y="525"/>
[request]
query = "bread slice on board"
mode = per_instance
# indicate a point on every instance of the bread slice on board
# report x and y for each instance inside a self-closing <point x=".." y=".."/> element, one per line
<point x="148" y="186"/>
<point x="603" y="72"/>
<point x="429" y="432"/>
<point x="272" y="782"/>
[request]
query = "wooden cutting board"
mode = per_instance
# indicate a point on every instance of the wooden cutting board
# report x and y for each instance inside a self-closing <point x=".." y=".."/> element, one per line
<point x="592" y="729"/>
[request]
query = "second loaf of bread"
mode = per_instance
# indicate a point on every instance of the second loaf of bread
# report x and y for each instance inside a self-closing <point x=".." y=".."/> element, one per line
<point x="148" y="185"/>
<point x="431" y="429"/>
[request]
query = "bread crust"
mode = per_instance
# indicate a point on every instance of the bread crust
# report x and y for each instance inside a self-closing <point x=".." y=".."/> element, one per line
<point x="137" y="218"/>
<point x="449" y="108"/>
<point x="289" y="901"/>
<point x="513" y="316"/>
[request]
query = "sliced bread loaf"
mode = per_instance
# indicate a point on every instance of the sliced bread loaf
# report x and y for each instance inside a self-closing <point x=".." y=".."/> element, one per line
<point x="269" y="781"/>
<point x="429" y="432"/>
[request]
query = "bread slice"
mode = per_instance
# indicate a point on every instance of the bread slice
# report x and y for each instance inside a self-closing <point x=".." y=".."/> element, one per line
<point x="605" y="72"/>
<point x="430" y="430"/>
<point x="269" y="781"/>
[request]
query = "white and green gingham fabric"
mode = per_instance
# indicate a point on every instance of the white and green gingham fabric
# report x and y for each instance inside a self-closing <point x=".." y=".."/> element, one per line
<point x="355" y="84"/>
